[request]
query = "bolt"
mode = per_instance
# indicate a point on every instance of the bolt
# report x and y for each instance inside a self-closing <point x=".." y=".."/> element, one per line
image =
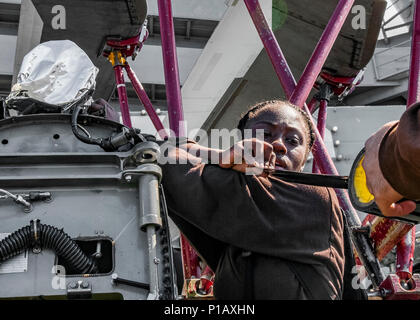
<point x="84" y="285"/>
<point x="72" y="285"/>
<point x="36" y="250"/>
<point x="336" y="143"/>
<point x="334" y="129"/>
<point x="143" y="112"/>
<point x="158" y="111"/>
<point x="156" y="260"/>
<point x="128" y="178"/>
<point x="339" y="157"/>
<point x="28" y="209"/>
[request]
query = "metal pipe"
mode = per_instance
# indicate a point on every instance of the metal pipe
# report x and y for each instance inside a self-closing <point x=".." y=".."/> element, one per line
<point x="405" y="255"/>
<point x="312" y="105"/>
<point x="175" y="111"/>
<point x="170" y="65"/>
<point x="414" y="80"/>
<point x="149" y="220"/>
<point x="405" y="248"/>
<point x="322" y="117"/>
<point x="122" y="95"/>
<point x="321" y="52"/>
<point x="322" y="121"/>
<point x="320" y="152"/>
<point x="141" y="93"/>
<point x="271" y="46"/>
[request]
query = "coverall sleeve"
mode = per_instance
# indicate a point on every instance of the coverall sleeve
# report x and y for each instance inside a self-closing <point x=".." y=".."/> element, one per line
<point x="399" y="154"/>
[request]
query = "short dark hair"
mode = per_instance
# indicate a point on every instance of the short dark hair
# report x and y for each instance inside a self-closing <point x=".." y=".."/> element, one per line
<point x="261" y="105"/>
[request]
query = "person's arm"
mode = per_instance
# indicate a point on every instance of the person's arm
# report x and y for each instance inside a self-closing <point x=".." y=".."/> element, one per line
<point x="246" y="156"/>
<point x="392" y="164"/>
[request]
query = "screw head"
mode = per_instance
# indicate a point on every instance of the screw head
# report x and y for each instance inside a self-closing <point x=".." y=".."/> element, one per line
<point x="128" y="178"/>
<point x="337" y="143"/>
<point x="156" y="260"/>
<point x="339" y="157"/>
<point x="36" y="250"/>
<point x="72" y="285"/>
<point x="334" y="129"/>
<point x="84" y="285"/>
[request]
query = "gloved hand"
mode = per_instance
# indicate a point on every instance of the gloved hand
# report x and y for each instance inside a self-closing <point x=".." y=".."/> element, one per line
<point x="385" y="195"/>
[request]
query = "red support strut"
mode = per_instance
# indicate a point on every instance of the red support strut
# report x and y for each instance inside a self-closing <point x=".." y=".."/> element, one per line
<point x="122" y="94"/>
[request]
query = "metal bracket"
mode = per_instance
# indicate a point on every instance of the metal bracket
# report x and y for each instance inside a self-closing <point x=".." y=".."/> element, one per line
<point x="79" y="290"/>
<point x="149" y="168"/>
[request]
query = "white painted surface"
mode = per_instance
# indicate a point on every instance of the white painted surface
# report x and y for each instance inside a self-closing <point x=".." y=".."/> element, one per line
<point x="229" y="53"/>
<point x="193" y="9"/>
<point x="11" y="1"/>
<point x="149" y="63"/>
<point x="7" y="54"/>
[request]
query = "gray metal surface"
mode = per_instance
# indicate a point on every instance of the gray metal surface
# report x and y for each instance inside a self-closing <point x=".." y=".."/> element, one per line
<point x="91" y="198"/>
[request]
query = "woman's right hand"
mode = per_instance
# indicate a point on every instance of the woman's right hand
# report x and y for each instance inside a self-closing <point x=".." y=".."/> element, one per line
<point x="250" y="156"/>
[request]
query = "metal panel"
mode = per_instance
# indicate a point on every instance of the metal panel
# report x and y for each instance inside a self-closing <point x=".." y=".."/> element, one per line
<point x="90" y="198"/>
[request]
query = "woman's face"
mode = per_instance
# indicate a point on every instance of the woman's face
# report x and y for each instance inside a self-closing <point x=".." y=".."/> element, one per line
<point x="285" y="129"/>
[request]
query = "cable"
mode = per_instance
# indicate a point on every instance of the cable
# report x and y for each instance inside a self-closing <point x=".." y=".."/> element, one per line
<point x="74" y="127"/>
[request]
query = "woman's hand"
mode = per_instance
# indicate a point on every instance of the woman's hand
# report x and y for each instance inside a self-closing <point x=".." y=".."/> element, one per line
<point x="250" y="156"/>
<point x="385" y="195"/>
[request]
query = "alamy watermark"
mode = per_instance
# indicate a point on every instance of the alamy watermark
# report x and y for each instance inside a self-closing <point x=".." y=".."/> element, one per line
<point x="221" y="147"/>
<point x="58" y="22"/>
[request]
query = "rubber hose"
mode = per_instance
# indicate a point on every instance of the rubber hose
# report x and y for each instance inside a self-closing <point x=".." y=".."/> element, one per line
<point x="75" y="115"/>
<point x="48" y="237"/>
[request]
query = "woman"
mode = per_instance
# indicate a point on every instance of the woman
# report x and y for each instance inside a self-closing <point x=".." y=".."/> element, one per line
<point x="264" y="238"/>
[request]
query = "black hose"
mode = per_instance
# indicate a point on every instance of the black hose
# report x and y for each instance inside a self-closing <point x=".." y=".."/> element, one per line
<point x="49" y="237"/>
<point x="74" y="116"/>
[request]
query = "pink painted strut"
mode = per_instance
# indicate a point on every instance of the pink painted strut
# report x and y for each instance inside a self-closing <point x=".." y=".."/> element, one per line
<point x="271" y="46"/>
<point x="122" y="95"/>
<point x="141" y="93"/>
<point x="321" y="52"/>
<point x="406" y="247"/>
<point x="414" y="83"/>
<point x="405" y="255"/>
<point x="175" y="112"/>
<point x="312" y="104"/>
<point x="322" y="122"/>
<point x="170" y="65"/>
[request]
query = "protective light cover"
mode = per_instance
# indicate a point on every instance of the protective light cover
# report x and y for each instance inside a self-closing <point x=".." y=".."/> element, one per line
<point x="55" y="73"/>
